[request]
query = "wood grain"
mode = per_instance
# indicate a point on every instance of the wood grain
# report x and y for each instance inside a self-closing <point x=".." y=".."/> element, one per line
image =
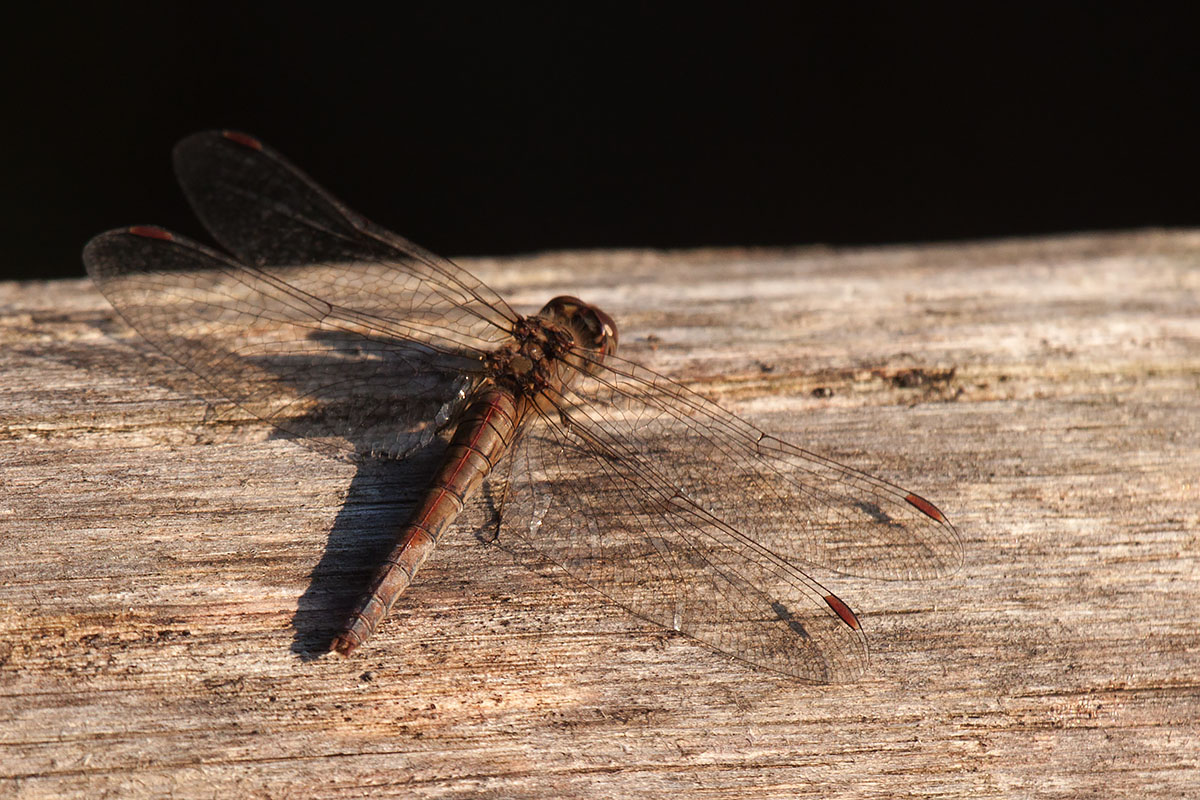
<point x="165" y="559"/>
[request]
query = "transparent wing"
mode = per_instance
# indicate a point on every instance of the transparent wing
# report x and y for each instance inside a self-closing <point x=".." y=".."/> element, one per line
<point x="693" y="518"/>
<point x="803" y="506"/>
<point x="323" y="323"/>
<point x="354" y="382"/>
<point x="622" y="529"/>
<point x="269" y="214"/>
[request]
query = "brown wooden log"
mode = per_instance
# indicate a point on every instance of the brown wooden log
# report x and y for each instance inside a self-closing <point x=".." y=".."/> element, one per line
<point x="165" y="560"/>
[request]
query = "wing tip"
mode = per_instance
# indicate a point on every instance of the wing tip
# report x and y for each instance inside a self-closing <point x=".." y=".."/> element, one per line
<point x="842" y="610"/>
<point x="197" y="142"/>
<point x="243" y="139"/>
<point x="99" y="249"/>
<point x="925" y="507"/>
<point x="149" y="232"/>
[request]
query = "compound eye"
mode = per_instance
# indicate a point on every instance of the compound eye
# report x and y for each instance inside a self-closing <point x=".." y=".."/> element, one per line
<point x="606" y="338"/>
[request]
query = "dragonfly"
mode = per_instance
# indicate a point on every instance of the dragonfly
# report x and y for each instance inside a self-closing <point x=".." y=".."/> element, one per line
<point x="335" y="330"/>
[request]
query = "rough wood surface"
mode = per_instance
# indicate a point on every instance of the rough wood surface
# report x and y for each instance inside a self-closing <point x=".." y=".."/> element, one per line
<point x="162" y="555"/>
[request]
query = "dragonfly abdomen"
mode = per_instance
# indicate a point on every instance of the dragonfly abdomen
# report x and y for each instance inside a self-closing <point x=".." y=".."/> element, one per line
<point x="487" y="428"/>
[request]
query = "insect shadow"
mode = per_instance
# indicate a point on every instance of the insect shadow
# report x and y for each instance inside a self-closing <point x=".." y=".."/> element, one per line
<point x="394" y="430"/>
<point x="386" y="485"/>
<point x="378" y="502"/>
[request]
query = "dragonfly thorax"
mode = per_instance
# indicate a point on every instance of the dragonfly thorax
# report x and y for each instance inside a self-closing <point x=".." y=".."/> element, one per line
<point x="566" y="338"/>
<point x="534" y="359"/>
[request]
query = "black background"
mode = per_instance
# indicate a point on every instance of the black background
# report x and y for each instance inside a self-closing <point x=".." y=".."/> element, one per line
<point x="666" y="126"/>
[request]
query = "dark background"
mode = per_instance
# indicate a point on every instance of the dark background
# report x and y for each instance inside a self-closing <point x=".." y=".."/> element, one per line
<point x="554" y="127"/>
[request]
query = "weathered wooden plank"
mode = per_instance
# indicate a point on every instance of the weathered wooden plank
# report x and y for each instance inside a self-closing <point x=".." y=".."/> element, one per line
<point x="164" y="559"/>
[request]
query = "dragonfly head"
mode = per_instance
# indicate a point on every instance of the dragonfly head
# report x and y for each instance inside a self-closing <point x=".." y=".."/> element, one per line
<point x="592" y="328"/>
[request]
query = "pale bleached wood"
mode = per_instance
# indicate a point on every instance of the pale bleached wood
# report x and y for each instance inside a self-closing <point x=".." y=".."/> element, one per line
<point x="158" y="553"/>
